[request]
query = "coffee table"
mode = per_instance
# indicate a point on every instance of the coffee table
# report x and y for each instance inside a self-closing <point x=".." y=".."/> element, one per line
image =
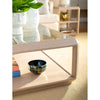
<point x="27" y="48"/>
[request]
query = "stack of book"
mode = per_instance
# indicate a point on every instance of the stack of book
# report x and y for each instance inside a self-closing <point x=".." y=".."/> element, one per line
<point x="15" y="68"/>
<point x="70" y="30"/>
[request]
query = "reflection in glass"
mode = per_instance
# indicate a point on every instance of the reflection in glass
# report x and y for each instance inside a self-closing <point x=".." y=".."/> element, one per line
<point x="19" y="38"/>
<point x="41" y="33"/>
<point x="31" y="35"/>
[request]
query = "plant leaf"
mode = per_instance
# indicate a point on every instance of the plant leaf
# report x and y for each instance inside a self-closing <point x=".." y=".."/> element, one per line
<point x="36" y="5"/>
<point x="24" y="5"/>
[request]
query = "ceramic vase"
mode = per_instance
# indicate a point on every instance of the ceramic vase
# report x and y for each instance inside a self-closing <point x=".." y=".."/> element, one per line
<point x="32" y="23"/>
<point x="32" y="19"/>
<point x="19" y="19"/>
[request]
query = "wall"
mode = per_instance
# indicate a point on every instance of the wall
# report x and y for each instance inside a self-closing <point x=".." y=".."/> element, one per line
<point x="81" y="3"/>
<point x="56" y="3"/>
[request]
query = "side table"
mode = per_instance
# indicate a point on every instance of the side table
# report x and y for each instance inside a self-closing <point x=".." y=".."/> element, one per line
<point x="55" y="74"/>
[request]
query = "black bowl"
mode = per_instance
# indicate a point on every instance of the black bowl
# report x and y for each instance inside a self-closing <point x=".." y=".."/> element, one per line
<point x="37" y="66"/>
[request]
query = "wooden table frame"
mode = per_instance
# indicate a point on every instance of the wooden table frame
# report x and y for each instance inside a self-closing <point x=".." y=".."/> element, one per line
<point x="47" y="45"/>
<point x="54" y="44"/>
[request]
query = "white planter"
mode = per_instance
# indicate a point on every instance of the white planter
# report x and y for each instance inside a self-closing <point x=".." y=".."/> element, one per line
<point x="32" y="25"/>
<point x="32" y="19"/>
<point x="19" y="19"/>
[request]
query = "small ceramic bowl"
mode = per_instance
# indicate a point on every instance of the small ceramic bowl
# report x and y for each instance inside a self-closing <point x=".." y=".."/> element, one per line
<point x="37" y="66"/>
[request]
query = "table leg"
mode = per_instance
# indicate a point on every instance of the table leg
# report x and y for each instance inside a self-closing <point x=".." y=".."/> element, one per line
<point x="74" y="60"/>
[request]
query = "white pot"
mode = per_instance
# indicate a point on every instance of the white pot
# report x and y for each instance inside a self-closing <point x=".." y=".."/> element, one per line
<point x="19" y="19"/>
<point x="31" y="25"/>
<point x="32" y="18"/>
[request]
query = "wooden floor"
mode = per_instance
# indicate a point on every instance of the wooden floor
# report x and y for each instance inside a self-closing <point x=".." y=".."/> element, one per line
<point x="77" y="90"/>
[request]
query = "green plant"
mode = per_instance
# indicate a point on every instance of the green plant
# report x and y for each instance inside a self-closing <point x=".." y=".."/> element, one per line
<point x="24" y="5"/>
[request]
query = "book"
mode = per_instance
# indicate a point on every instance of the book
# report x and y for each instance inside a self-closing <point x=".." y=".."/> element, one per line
<point x="70" y="30"/>
<point x="16" y="73"/>
<point x="15" y="69"/>
<point x="14" y="63"/>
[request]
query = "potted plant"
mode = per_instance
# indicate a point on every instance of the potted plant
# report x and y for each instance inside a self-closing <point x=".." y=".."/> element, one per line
<point x="20" y="8"/>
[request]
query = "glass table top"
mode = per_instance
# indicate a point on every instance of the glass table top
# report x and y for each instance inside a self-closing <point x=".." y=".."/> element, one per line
<point x="41" y="33"/>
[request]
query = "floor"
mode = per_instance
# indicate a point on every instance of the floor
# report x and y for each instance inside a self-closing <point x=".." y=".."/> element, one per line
<point x="77" y="90"/>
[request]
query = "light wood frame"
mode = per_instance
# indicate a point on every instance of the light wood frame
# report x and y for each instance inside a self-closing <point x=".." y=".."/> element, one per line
<point x="47" y="45"/>
<point x="40" y="46"/>
<point x="78" y="16"/>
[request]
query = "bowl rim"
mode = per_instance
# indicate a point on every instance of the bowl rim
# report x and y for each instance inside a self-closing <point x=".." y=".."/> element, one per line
<point x="30" y="62"/>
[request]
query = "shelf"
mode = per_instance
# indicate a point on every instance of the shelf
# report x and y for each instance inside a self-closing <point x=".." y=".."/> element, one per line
<point x="53" y="76"/>
<point x="71" y="34"/>
<point x="74" y="19"/>
<point x="61" y="22"/>
<point x="69" y="8"/>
